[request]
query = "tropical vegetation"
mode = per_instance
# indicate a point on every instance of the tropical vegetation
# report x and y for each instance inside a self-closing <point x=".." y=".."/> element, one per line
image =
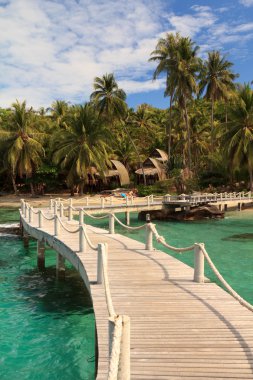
<point x="207" y="129"/>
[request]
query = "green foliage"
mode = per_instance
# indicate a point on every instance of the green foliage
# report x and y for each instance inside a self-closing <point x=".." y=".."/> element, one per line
<point x="159" y="188"/>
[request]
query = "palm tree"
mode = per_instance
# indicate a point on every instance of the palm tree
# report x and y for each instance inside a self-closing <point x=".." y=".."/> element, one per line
<point x="238" y="135"/>
<point x="59" y="111"/>
<point x="109" y="100"/>
<point x="165" y="54"/>
<point x="82" y="145"/>
<point x="217" y="80"/>
<point x="186" y="73"/>
<point x="21" y="143"/>
<point x="108" y="97"/>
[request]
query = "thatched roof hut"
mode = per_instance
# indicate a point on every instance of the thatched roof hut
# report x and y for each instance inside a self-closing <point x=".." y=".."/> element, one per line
<point x="121" y="172"/>
<point x="154" y="167"/>
<point x="160" y="155"/>
<point x="117" y="173"/>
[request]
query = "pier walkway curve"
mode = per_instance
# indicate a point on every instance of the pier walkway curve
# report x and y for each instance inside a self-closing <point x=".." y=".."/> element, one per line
<point x="156" y="318"/>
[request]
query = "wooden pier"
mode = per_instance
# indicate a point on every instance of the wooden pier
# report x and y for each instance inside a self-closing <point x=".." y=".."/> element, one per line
<point x="179" y="329"/>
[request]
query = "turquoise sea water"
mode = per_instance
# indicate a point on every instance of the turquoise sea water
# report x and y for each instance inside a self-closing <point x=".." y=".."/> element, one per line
<point x="228" y="241"/>
<point x="47" y="326"/>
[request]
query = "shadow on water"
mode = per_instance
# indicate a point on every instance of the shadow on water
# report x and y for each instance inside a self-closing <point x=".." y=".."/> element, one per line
<point x="47" y="294"/>
<point x="239" y="237"/>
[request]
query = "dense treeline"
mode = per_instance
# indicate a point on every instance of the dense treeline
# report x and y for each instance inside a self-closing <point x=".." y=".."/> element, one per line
<point x="207" y="129"/>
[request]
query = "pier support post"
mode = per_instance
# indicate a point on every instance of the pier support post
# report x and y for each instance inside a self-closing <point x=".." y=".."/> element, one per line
<point x="60" y="266"/>
<point x="199" y="265"/>
<point x="149" y="235"/>
<point x="41" y="255"/>
<point x="127" y="218"/>
<point x="239" y="206"/>
<point x="225" y="207"/>
<point x="26" y="239"/>
<point x="111" y="224"/>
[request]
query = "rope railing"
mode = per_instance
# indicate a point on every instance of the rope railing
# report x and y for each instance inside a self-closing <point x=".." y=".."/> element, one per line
<point x="119" y="325"/>
<point x="233" y="293"/>
<point x="200" y="255"/>
<point x="128" y="227"/>
<point x="161" y="239"/>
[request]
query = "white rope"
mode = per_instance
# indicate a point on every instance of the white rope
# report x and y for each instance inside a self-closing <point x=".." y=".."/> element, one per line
<point x="108" y="296"/>
<point x="161" y="239"/>
<point x="66" y="229"/>
<point x="115" y="353"/>
<point x="224" y="282"/>
<point x="47" y="217"/>
<point x="94" y="217"/>
<point x="92" y="246"/>
<point x="128" y="227"/>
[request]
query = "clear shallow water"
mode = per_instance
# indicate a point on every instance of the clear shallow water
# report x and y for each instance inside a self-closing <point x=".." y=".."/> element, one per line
<point x="228" y="241"/>
<point x="47" y="326"/>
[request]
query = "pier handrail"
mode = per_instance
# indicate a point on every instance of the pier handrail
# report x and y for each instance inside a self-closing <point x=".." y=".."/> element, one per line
<point x="200" y="254"/>
<point x="149" y="200"/>
<point x="119" y="325"/>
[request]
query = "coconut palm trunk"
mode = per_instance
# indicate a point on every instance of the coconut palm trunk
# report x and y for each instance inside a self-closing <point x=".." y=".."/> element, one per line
<point x="136" y="151"/>
<point x="188" y="135"/>
<point x="212" y="126"/>
<point x="13" y="180"/>
<point x="250" y="169"/>
<point x="170" y="126"/>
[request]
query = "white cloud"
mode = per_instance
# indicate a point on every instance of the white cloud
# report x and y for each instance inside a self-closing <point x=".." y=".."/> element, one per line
<point x="191" y="24"/>
<point x="246" y="3"/>
<point x="53" y="49"/>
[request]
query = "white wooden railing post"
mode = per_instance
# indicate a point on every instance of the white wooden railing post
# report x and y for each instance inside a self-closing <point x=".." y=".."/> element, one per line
<point x="81" y="217"/>
<point x="82" y="240"/>
<point x="30" y="214"/>
<point x="126" y="200"/>
<point x="40" y="219"/>
<point x="149" y="235"/>
<point x="102" y="202"/>
<point x="100" y="277"/>
<point x="56" y="225"/>
<point x="61" y="210"/>
<point x="55" y="207"/>
<point x="124" y="359"/>
<point x="151" y="198"/>
<point x="132" y="200"/>
<point x="199" y="264"/>
<point x="87" y="201"/>
<point x="22" y="206"/>
<point x="148" y="200"/>
<point x="51" y="206"/>
<point x="70" y="214"/>
<point x="25" y="210"/>
<point x="111" y="224"/>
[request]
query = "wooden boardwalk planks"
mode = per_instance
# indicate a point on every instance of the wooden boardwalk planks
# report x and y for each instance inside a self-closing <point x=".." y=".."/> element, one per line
<point x="179" y="329"/>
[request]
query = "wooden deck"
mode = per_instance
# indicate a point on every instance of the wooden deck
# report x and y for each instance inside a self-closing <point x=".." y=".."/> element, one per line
<point x="179" y="329"/>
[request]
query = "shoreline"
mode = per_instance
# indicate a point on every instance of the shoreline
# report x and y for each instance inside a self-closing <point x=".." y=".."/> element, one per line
<point x="13" y="201"/>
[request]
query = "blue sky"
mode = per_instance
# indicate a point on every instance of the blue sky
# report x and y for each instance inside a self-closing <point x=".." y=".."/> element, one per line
<point x="53" y="49"/>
